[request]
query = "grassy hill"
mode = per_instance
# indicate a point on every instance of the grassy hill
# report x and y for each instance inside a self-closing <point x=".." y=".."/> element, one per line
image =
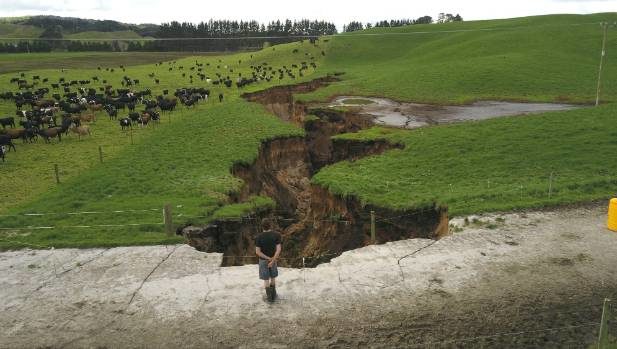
<point x="12" y="30"/>
<point x="491" y="165"/>
<point x="73" y="28"/>
<point x="123" y="34"/>
<point x="542" y="58"/>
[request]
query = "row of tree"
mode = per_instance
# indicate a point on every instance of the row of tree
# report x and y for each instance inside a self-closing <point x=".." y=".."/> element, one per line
<point x="47" y="46"/>
<point x="442" y="18"/>
<point x="226" y="28"/>
<point x="25" y="47"/>
<point x="247" y="35"/>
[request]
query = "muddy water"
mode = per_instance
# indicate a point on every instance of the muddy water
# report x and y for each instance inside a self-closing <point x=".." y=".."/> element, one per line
<point x="412" y="115"/>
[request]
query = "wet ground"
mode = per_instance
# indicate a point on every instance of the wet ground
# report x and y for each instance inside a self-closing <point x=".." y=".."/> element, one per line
<point x="413" y="115"/>
<point x="520" y="280"/>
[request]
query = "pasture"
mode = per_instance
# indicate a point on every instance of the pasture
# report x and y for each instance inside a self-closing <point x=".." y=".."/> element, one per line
<point x="185" y="160"/>
<point x="491" y="165"/>
<point x="17" y="62"/>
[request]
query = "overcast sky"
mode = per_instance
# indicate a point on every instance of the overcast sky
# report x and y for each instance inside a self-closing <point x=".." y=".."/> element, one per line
<point x="339" y="12"/>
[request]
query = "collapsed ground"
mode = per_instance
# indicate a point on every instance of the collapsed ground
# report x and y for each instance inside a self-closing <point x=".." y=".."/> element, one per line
<point x="484" y="166"/>
<point x="529" y="279"/>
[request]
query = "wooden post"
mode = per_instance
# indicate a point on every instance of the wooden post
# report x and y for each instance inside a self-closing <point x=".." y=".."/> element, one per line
<point x="101" y="154"/>
<point x="57" y="173"/>
<point x="167" y="218"/>
<point x="373" y="227"/>
<point x="603" y="337"/>
<point x="131" y="133"/>
<point x="605" y="29"/>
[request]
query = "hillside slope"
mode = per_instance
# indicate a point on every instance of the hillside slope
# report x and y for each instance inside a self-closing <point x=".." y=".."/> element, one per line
<point x="543" y="58"/>
<point x="500" y="164"/>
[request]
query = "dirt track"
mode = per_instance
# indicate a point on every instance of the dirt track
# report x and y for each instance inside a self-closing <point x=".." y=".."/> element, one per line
<point x="526" y="273"/>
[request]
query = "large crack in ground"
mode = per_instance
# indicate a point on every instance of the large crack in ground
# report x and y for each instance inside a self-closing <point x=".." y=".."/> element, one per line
<point x="316" y="224"/>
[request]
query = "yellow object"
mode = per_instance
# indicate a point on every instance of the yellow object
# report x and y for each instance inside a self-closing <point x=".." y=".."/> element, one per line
<point x="612" y="215"/>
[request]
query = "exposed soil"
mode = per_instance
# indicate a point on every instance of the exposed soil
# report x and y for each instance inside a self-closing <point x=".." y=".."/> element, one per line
<point x="519" y="280"/>
<point x="315" y="223"/>
<point x="413" y="115"/>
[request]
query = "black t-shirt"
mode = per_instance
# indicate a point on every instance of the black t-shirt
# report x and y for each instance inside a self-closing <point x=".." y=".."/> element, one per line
<point x="267" y="242"/>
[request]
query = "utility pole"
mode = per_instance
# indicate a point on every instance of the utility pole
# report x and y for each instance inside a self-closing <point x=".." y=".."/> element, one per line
<point x="605" y="30"/>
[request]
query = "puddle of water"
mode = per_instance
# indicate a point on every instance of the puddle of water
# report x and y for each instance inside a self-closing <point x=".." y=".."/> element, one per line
<point x="413" y="115"/>
<point x="356" y="101"/>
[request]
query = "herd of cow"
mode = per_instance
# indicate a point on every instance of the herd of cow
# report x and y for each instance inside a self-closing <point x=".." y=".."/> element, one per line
<point x="58" y="115"/>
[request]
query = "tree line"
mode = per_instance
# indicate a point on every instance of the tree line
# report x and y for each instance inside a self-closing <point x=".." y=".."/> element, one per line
<point x="246" y="35"/>
<point x="442" y="18"/>
<point x="175" y="36"/>
<point x="210" y="36"/>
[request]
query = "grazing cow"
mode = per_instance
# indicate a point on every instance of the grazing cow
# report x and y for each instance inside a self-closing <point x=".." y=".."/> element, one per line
<point x="8" y="121"/>
<point x="125" y="123"/>
<point x="2" y="152"/>
<point x="30" y="135"/>
<point x="5" y="140"/>
<point x="67" y="122"/>
<point x="80" y="130"/>
<point x="16" y="133"/>
<point x="88" y="117"/>
<point x="51" y="132"/>
<point x="144" y="119"/>
<point x="111" y="111"/>
<point x="134" y="116"/>
<point x="156" y="117"/>
<point x="95" y="107"/>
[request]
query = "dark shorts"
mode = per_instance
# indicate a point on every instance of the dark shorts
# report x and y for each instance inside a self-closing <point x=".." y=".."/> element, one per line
<point x="266" y="273"/>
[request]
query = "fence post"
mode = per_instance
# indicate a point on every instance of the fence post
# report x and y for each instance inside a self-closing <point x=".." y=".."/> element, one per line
<point x="101" y="154"/>
<point x="131" y="133"/>
<point x="372" y="227"/>
<point x="550" y="185"/>
<point x="167" y="218"/>
<point x="603" y="337"/>
<point x="57" y="173"/>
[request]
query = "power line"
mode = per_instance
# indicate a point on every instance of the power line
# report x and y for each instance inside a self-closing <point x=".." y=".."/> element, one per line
<point x="83" y="226"/>
<point x="34" y="214"/>
<point x="302" y="36"/>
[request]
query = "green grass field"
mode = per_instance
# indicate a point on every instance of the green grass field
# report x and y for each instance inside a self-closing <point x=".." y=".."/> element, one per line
<point x="123" y="34"/>
<point x="12" y="30"/>
<point x="545" y="58"/>
<point x="184" y="161"/>
<point x="498" y="164"/>
<point x="20" y="62"/>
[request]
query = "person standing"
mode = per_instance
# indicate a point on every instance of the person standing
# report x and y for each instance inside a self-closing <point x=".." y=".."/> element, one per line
<point x="268" y="249"/>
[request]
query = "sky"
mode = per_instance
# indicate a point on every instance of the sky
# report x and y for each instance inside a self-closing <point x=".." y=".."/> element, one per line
<point x="339" y="12"/>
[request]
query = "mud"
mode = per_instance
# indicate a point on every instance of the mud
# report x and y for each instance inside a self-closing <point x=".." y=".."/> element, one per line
<point x="413" y="115"/>
<point x="316" y="225"/>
